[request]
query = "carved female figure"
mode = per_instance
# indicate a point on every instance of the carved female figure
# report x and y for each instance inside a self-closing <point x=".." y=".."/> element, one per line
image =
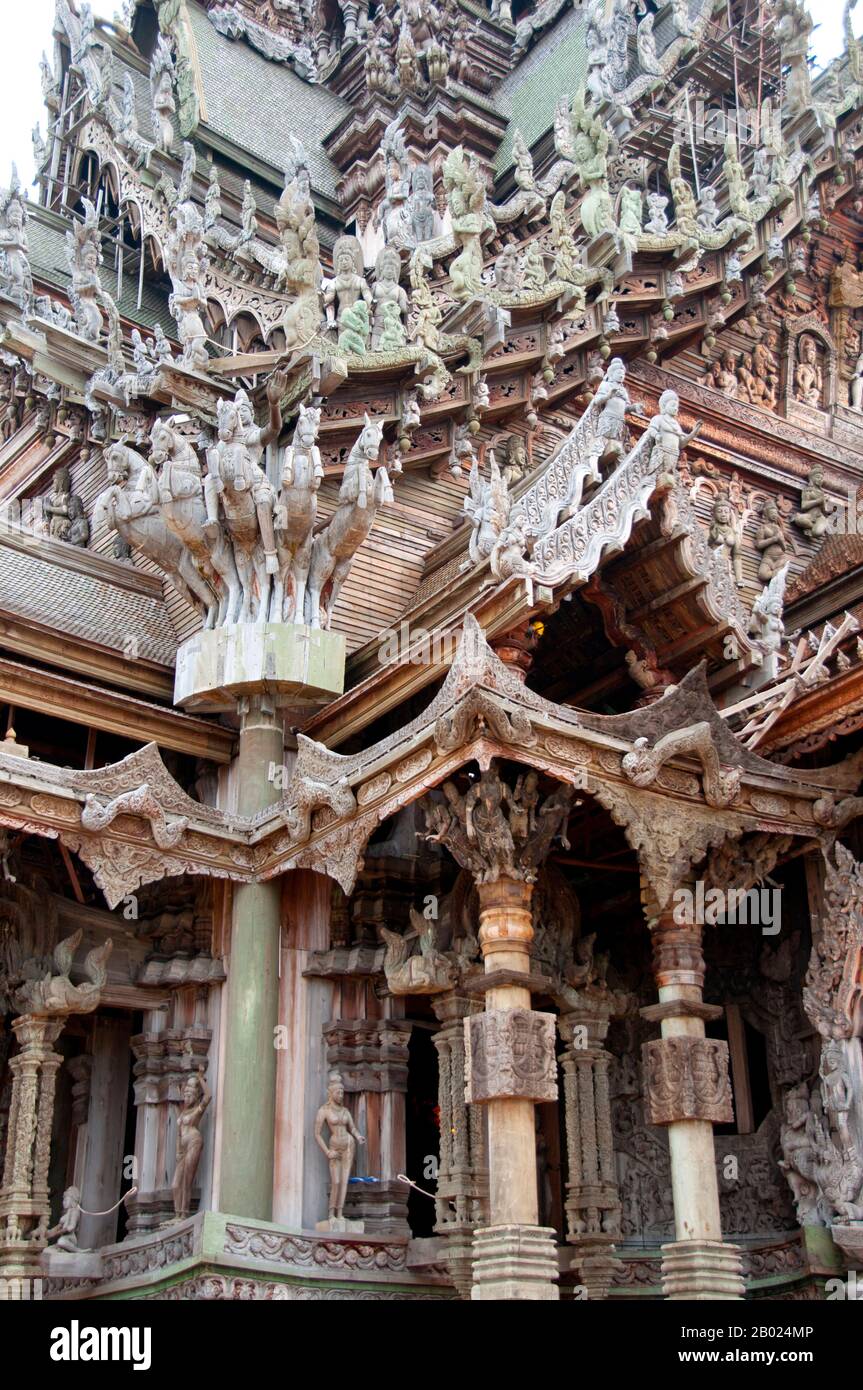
<point x="190" y="1142"/>
<point x="808" y="375"/>
<point x="57" y="505"/>
<point x="341" y="1147"/>
<point x="612" y="401"/>
<point x="770" y="542"/>
<point x="724" y="533"/>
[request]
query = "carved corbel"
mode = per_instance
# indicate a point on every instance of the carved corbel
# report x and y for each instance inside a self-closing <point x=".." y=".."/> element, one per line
<point x="307" y="796"/>
<point x="667" y="836"/>
<point x="141" y="802"/>
<point x="643" y="765"/>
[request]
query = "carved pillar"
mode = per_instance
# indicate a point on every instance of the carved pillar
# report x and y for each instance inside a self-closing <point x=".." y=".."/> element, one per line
<point x="462" y="1184"/>
<point x="25" y="1205"/>
<point x="106" y="1127"/>
<point x="80" y="1069"/>
<point x="593" y="1200"/>
<point x="687" y="1089"/>
<point x="248" y="1100"/>
<point x="511" y="1066"/>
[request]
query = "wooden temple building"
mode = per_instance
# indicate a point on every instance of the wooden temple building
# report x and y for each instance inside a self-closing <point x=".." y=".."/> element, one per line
<point x="431" y="655"/>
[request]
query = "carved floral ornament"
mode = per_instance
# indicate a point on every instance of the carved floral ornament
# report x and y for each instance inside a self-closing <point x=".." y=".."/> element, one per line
<point x="674" y="777"/>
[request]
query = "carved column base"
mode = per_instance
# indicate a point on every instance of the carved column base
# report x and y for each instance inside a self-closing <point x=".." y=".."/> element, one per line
<point x="594" y="1264"/>
<point x="702" y="1269"/>
<point x="515" y="1262"/>
<point x="151" y="1211"/>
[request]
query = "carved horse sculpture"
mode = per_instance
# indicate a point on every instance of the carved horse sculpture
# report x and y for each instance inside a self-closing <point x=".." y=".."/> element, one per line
<point x="362" y="492"/>
<point x="181" y="494"/>
<point x="129" y="505"/>
<point x="296" y="511"/>
<point x="235" y="479"/>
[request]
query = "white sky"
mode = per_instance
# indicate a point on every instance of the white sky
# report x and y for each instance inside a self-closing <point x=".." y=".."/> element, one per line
<point x="23" y="38"/>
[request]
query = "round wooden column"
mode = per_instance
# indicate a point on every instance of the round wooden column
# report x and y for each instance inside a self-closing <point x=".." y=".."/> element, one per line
<point x="505" y="933"/>
<point x="514" y="1257"/>
<point x="694" y="1093"/>
<point x="248" y="1109"/>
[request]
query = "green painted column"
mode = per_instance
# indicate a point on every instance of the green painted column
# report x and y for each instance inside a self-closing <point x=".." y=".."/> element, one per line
<point x="249" y="1091"/>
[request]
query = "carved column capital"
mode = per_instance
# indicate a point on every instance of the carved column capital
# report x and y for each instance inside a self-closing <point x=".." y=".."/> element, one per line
<point x="678" y="957"/>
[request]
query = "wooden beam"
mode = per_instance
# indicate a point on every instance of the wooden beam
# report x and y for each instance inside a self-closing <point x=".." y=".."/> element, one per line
<point x="70" y="869"/>
<point x="110" y="711"/>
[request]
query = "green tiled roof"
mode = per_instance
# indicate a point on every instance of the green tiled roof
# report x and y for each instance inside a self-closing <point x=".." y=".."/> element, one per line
<point x="258" y="104"/>
<point x="530" y="94"/>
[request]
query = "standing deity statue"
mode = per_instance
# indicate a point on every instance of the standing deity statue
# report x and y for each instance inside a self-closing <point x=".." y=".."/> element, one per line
<point x="487" y="506"/>
<point x="339" y="1149"/>
<point x="298" y="265"/>
<point x="465" y="190"/>
<point x="667" y="435"/>
<point x="612" y="402"/>
<point x="387" y="294"/>
<point x="426" y="313"/>
<point x="791" y="30"/>
<point x="590" y="148"/>
<point x="84" y="254"/>
<point x="686" y="217"/>
<point x="567" y="262"/>
<point x="56" y="505"/>
<point x="162" y="77"/>
<point x="190" y="1142"/>
<point x="767" y="625"/>
<point x="349" y="283"/>
<point x="16" y="280"/>
<point x="421" y="204"/>
<point x="186" y="261"/>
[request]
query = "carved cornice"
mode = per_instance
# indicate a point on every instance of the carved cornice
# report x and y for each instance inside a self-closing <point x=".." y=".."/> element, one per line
<point x="482" y="711"/>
